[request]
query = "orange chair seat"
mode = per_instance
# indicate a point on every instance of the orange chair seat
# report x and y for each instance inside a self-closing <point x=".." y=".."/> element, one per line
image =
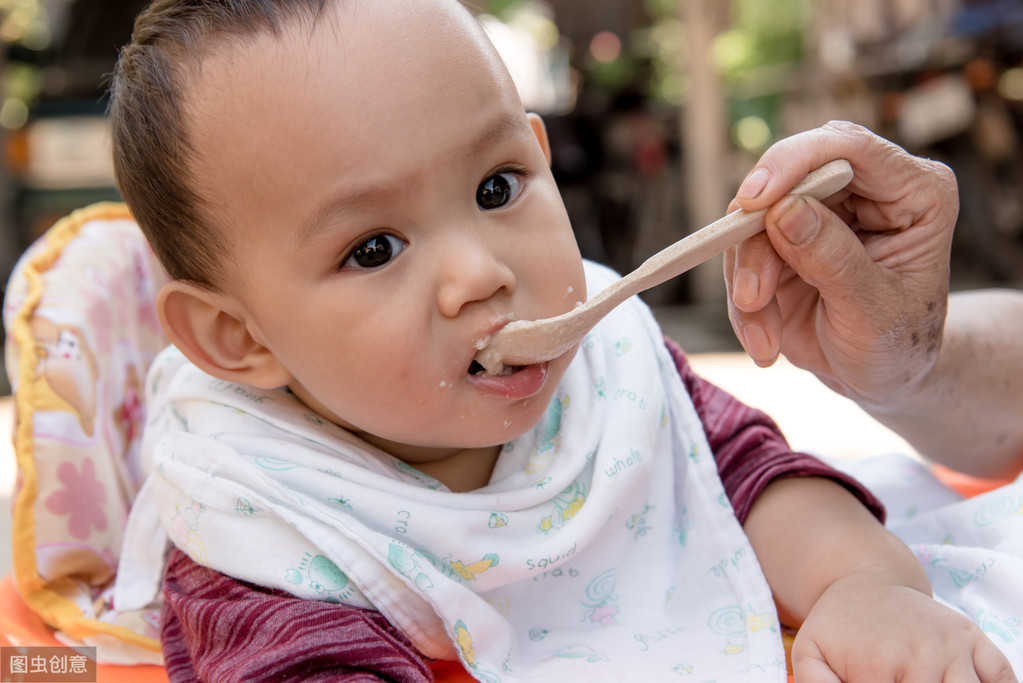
<point x="21" y="626"/>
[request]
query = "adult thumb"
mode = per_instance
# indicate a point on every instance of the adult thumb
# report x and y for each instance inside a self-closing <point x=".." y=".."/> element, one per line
<point x="821" y="248"/>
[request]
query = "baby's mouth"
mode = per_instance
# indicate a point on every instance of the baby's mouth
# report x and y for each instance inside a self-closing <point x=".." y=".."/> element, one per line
<point x="475" y="369"/>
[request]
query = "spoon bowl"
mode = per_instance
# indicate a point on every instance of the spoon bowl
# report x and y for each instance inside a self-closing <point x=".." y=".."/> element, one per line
<point x="525" y="342"/>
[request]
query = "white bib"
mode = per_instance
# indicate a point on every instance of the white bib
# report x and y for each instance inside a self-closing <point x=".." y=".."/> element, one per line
<point x="603" y="548"/>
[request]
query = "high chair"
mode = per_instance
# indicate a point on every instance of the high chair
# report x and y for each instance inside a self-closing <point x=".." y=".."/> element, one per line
<point x="82" y="331"/>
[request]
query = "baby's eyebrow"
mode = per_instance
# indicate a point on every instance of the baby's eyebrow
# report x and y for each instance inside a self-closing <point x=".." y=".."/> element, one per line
<point x="503" y="127"/>
<point x="346" y="199"/>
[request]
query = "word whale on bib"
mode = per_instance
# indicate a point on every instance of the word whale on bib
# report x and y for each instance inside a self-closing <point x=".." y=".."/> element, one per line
<point x="603" y="547"/>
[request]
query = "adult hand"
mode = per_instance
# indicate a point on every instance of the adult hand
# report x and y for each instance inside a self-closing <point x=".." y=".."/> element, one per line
<point x="853" y="289"/>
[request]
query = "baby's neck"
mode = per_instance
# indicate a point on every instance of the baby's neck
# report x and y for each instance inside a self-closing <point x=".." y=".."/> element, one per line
<point x="464" y="470"/>
<point x="460" y="469"/>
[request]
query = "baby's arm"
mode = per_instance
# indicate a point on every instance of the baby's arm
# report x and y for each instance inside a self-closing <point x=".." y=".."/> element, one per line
<point x="859" y="596"/>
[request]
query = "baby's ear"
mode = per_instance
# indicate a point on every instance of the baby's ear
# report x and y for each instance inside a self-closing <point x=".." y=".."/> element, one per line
<point x="540" y="131"/>
<point x="209" y="330"/>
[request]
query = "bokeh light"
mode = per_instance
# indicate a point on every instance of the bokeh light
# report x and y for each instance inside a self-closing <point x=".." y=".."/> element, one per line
<point x="605" y="47"/>
<point x="751" y="133"/>
<point x="1010" y="84"/>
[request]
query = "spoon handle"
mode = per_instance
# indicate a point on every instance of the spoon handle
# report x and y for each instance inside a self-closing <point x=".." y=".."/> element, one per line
<point x="683" y="255"/>
<point x="694" y="249"/>
<point x="524" y="342"/>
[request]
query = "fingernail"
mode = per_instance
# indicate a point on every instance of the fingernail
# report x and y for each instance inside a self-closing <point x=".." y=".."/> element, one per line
<point x="757" y="344"/>
<point x="753" y="185"/>
<point x="745" y="287"/>
<point x="798" y="222"/>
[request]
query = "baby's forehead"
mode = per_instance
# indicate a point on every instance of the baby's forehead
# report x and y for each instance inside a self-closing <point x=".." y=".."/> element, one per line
<point x="360" y="97"/>
<point x="397" y="25"/>
<point x="428" y="37"/>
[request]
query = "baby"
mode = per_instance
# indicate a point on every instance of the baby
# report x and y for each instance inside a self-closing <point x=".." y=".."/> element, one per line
<point x="349" y="198"/>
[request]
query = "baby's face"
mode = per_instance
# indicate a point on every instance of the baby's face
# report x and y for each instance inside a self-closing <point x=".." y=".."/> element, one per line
<point x="389" y="206"/>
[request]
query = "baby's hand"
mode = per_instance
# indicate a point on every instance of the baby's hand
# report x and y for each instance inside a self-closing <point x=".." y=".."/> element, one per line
<point x="861" y="630"/>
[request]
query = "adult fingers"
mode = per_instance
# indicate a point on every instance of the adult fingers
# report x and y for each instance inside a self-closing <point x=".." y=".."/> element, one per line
<point x="823" y="250"/>
<point x="759" y="332"/>
<point x="751" y="278"/>
<point x="883" y="171"/>
<point x="752" y="270"/>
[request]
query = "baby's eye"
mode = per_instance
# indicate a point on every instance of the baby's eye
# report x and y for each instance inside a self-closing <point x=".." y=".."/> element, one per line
<point x="497" y="190"/>
<point x="374" y="252"/>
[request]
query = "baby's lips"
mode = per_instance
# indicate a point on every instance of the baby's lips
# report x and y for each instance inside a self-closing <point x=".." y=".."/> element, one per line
<point x="520" y="383"/>
<point x="497" y="322"/>
<point x="483" y="341"/>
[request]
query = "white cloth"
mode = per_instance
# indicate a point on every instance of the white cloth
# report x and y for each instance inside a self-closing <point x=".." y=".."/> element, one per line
<point x="603" y="548"/>
<point x="971" y="549"/>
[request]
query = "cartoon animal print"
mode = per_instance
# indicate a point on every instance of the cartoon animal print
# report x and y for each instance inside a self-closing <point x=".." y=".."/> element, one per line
<point x="548" y="431"/>
<point x="323" y="576"/>
<point x="601" y="598"/>
<point x="1007" y="630"/>
<point x="734" y="622"/>
<point x="68" y="367"/>
<point x="637" y="522"/>
<point x="184" y="530"/>
<point x="581" y="652"/>
<point x="998" y="508"/>
<point x="471" y="570"/>
<point x="683" y="526"/>
<point x="130" y="414"/>
<point x="452" y="569"/>
<point x="404" y="560"/>
<point x="567" y="505"/>
<point x="464" y="642"/>
<point x="932" y="557"/>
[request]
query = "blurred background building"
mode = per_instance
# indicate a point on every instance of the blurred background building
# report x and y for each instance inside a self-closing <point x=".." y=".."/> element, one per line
<point x="656" y="110"/>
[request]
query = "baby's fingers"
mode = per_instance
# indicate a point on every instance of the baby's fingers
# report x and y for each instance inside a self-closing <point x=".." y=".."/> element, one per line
<point x="990" y="665"/>
<point x="869" y="668"/>
<point x="812" y="668"/>
<point x="970" y="659"/>
<point x="987" y="665"/>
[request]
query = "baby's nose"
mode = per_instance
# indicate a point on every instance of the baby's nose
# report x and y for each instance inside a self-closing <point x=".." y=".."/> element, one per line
<point x="472" y="273"/>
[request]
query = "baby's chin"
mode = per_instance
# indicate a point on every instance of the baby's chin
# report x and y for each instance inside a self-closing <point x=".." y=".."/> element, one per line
<point x="510" y="404"/>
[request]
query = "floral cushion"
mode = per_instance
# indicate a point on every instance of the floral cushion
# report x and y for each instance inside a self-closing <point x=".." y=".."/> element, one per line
<point x="82" y="330"/>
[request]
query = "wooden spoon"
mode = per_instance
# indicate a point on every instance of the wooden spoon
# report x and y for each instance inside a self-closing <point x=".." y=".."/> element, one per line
<point x="525" y="342"/>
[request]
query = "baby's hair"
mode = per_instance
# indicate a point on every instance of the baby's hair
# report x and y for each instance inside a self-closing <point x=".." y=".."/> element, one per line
<point x="150" y="135"/>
